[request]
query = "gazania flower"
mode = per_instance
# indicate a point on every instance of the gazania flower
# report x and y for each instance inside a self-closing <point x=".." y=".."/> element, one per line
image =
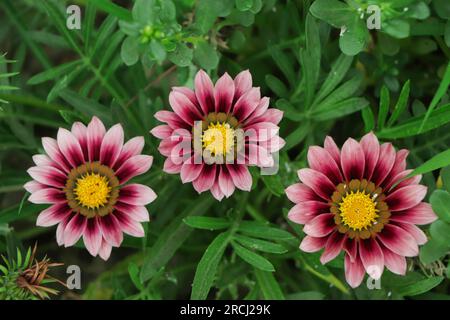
<point x="83" y="176"/>
<point x="215" y="132"/>
<point x="359" y="200"/>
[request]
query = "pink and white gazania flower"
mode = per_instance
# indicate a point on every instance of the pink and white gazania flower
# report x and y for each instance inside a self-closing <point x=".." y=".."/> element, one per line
<point x="215" y="132"/>
<point x="358" y="200"/>
<point x="83" y="177"/>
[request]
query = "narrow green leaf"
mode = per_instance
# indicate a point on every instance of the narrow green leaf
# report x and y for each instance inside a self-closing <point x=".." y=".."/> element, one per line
<point x="401" y="104"/>
<point x="252" y="258"/>
<point x="268" y="285"/>
<point x="113" y="9"/>
<point x="207" y="267"/>
<point x="261" y="230"/>
<point x="260" y="245"/>
<point x="53" y="73"/>
<point x="384" y="107"/>
<point x="420" y="286"/>
<point x="438" y="161"/>
<point x="207" y="223"/>
<point x="276" y="85"/>
<point x="440" y="201"/>
<point x="368" y="118"/>
<point x="339" y="109"/>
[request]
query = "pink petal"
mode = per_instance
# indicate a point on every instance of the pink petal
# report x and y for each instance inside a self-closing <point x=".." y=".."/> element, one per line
<point x="259" y="156"/>
<point x="224" y="93"/>
<point x="390" y="181"/>
<point x="384" y="164"/>
<point x="110" y="227"/>
<point x="216" y="192"/>
<point x="226" y="182"/>
<point x="260" y="110"/>
<point x="53" y="215"/>
<point x="42" y="160"/>
<point x="51" y="148"/>
<point x="171" y="118"/>
<point x="190" y="94"/>
<point x="300" y="192"/>
<point x="33" y="186"/>
<point x="74" y="229"/>
<point x="134" y="166"/>
<point x="320" y="160"/>
<point x="320" y="226"/>
<point x="129" y="226"/>
<point x="111" y="145"/>
<point x="261" y="131"/>
<point x="303" y="212"/>
<point x="420" y="214"/>
<point x="190" y="170"/>
<point x="318" y="182"/>
<point x="95" y="132"/>
<point x="311" y="244"/>
<point x="205" y="179"/>
<point x="399" y="241"/>
<point x="131" y="148"/>
<point x="417" y="234"/>
<point x="372" y="257"/>
<point x="271" y="115"/>
<point x="406" y="197"/>
<point x="243" y="83"/>
<point x="137" y="213"/>
<point x="354" y="271"/>
<point x="352" y="160"/>
<point x="49" y="195"/>
<point x="136" y="194"/>
<point x="275" y="144"/>
<point x="171" y="167"/>
<point x="332" y="149"/>
<point x="70" y="147"/>
<point x="394" y="262"/>
<point x="60" y="230"/>
<point x="204" y="91"/>
<point x="242" y="178"/>
<point x="351" y="247"/>
<point x="333" y="247"/>
<point x="162" y="131"/>
<point x="246" y="104"/>
<point x="184" y="108"/>
<point x="49" y="176"/>
<point x="105" y="250"/>
<point x="398" y="167"/>
<point x="79" y="130"/>
<point x="371" y="147"/>
<point x="92" y="236"/>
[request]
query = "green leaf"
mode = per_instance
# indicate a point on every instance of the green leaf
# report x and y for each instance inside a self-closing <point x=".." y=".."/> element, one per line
<point x="206" y="56"/>
<point x="420" y="286"/>
<point x="441" y="91"/>
<point x="260" y="245"/>
<point x="344" y="91"/>
<point x="447" y="33"/>
<point x="354" y="36"/>
<point x="297" y="136"/>
<point x="400" y="105"/>
<point x="368" y="119"/>
<point x="333" y="12"/>
<point x="335" y="76"/>
<point x="113" y="9"/>
<point x="252" y="258"/>
<point x="432" y="251"/>
<point x="129" y="51"/>
<point x="283" y="63"/>
<point x="53" y="73"/>
<point x="276" y="85"/>
<point x="182" y="56"/>
<point x="311" y="57"/>
<point x="440" y="232"/>
<point x="340" y="109"/>
<point x="268" y="285"/>
<point x="438" y="161"/>
<point x="274" y="184"/>
<point x="244" y="5"/>
<point x="207" y="267"/>
<point x="440" y="201"/>
<point x="445" y="175"/>
<point x="207" y="223"/>
<point x="384" y="107"/>
<point x="411" y="127"/>
<point x="170" y="239"/>
<point x="158" y="51"/>
<point x="397" y="28"/>
<point x="261" y="230"/>
<point x="144" y="11"/>
<point x="133" y="271"/>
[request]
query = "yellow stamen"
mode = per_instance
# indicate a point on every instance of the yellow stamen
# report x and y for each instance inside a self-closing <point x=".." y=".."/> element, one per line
<point x="92" y="190"/>
<point x="358" y="210"/>
<point x="218" y="138"/>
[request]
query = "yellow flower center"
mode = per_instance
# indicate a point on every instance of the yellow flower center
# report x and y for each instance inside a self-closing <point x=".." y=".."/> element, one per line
<point x="358" y="210"/>
<point x="218" y="138"/>
<point x="92" y="190"/>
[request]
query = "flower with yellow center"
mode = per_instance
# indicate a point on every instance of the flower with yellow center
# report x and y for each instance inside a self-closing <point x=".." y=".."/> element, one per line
<point x="218" y="138"/>
<point x="358" y="211"/>
<point x="92" y="190"/>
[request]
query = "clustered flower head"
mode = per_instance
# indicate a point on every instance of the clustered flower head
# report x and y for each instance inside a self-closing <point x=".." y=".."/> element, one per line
<point x="27" y="278"/>
<point x="216" y="131"/>
<point x="360" y="200"/>
<point x="84" y="176"/>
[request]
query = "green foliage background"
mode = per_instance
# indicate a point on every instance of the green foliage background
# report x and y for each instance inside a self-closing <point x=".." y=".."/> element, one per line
<point x="120" y="67"/>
